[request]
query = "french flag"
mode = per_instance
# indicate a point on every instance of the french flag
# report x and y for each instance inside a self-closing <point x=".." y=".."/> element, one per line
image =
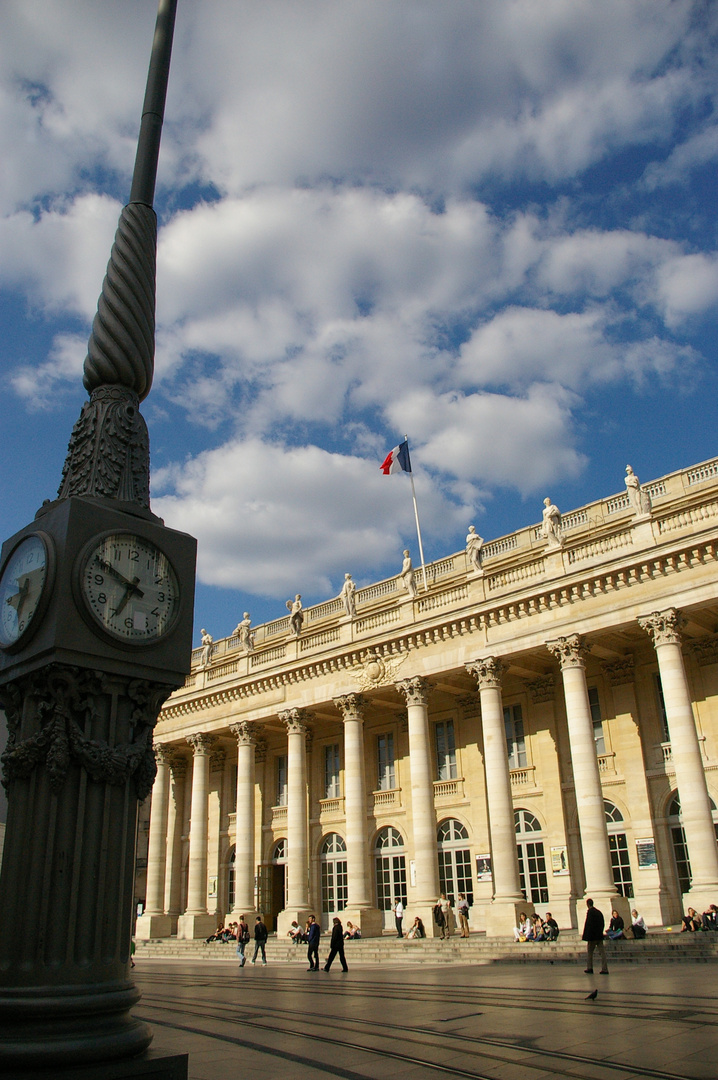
<point x="397" y="460"/>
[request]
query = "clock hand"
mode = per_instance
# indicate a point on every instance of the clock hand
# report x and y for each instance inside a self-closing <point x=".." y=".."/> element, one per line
<point x="110" y="569"/>
<point x="131" y="588"/>
<point x="20" y="596"/>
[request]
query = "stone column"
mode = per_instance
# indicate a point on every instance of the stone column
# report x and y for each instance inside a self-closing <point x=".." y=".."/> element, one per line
<point x="415" y="692"/>
<point x="508" y="899"/>
<point x="663" y="626"/>
<point x="153" y="923"/>
<point x="571" y="652"/>
<point x="360" y="909"/>
<point x="297" y="904"/>
<point x="244" y="829"/>
<point x="175" y="826"/>
<point x="196" y="922"/>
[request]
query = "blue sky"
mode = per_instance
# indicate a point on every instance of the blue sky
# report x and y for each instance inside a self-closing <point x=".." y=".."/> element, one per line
<point x="490" y="225"/>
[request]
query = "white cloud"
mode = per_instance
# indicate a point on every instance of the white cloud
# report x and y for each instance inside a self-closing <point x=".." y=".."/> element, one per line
<point x="687" y="285"/>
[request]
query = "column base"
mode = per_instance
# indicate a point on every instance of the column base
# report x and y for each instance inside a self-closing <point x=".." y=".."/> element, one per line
<point x="286" y="917"/>
<point x="45" y="1027"/>
<point x="191" y="927"/>
<point x="153" y="926"/>
<point x="369" y="920"/>
<point x="605" y="904"/>
<point x="502" y="916"/>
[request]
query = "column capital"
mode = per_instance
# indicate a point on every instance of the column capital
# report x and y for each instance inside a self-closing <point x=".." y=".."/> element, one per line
<point x="164" y="753"/>
<point x="570" y="651"/>
<point x="246" y="732"/>
<point x="414" y="690"/>
<point x="663" y="626"/>
<point x="488" y="672"/>
<point x="542" y="689"/>
<point x="296" y="721"/>
<point x="201" y="743"/>
<point x="351" y="706"/>
<point x="619" y="672"/>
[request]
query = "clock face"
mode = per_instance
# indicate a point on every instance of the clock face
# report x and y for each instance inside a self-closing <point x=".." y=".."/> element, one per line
<point x="130" y="588"/>
<point x="22" y="588"/>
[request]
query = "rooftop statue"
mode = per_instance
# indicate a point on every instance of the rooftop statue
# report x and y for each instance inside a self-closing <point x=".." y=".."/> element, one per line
<point x="639" y="499"/>
<point x="348" y="596"/>
<point x="474" y="544"/>
<point x="407" y="575"/>
<point x="551" y="524"/>
<point x="296" y="615"/>
<point x="243" y="632"/>
<point x="207" y="648"/>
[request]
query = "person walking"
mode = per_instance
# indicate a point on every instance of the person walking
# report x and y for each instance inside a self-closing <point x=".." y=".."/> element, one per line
<point x="593" y="936"/>
<point x="336" y="946"/>
<point x="242" y="939"/>
<point x="313" y="935"/>
<point x="260" y="940"/>
<point x="398" y="916"/>
<point x="463" y="909"/>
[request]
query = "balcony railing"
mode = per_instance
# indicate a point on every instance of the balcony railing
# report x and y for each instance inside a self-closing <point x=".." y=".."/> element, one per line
<point x="449" y="789"/>
<point x="384" y="799"/>
<point x="279" y="817"/>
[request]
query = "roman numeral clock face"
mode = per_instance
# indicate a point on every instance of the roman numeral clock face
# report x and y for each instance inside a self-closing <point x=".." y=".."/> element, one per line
<point x="130" y="589"/>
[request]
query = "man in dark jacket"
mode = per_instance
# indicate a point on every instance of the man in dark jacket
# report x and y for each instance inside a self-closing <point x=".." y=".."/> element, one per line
<point x="593" y="936"/>
<point x="260" y="940"/>
<point x="313" y="933"/>
<point x="337" y="946"/>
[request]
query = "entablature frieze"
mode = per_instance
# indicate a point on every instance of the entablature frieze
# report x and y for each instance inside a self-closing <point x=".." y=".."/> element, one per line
<point x="388" y="655"/>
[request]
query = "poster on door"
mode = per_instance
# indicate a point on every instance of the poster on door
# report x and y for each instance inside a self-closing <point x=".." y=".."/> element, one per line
<point x="559" y="861"/>
<point x="483" y="868"/>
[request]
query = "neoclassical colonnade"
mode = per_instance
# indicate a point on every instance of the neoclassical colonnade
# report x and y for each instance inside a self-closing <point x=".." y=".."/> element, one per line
<point x="165" y="839"/>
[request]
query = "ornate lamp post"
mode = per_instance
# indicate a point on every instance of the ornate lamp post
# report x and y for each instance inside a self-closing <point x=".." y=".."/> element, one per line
<point x="96" y="603"/>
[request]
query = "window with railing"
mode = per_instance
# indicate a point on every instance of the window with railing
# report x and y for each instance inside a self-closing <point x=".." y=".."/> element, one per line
<point x="386" y="773"/>
<point x="597" y="720"/>
<point x="515" y="738"/>
<point x="331" y="771"/>
<point x="445" y="750"/>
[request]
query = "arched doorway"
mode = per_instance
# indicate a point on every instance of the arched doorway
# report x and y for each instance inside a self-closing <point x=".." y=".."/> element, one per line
<point x="454" y="861"/>
<point x="678" y="842"/>
<point x="618" y="846"/>
<point x="390" y="865"/>
<point x="271" y="884"/>
<point x="333" y="861"/>
<point x="532" y="860"/>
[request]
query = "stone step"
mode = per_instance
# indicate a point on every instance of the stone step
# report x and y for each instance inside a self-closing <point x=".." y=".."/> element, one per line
<point x="658" y="946"/>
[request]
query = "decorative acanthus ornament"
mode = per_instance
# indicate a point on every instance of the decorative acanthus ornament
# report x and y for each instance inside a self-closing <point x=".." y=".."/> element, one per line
<point x="487" y="672"/>
<point x="542" y="689"/>
<point x="705" y="650"/>
<point x="620" y="672"/>
<point x="377" y="670"/>
<point x="60" y="704"/>
<point x="296" y="721"/>
<point x="109" y="451"/>
<point x="414" y="690"/>
<point x="178" y="767"/>
<point x="217" y="759"/>
<point x="245" y="732"/>
<point x="351" y="706"/>
<point x="663" y="626"/>
<point x="164" y="754"/>
<point x="570" y="651"/>
<point x="203" y="745"/>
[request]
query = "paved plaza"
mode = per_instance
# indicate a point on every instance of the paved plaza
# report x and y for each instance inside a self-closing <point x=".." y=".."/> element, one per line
<point x="409" y="1022"/>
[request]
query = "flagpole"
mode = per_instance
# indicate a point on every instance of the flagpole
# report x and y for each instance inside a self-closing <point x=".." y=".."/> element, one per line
<point x="418" y="527"/>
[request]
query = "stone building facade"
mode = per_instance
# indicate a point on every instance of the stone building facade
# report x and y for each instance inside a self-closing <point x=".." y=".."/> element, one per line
<point x="536" y="725"/>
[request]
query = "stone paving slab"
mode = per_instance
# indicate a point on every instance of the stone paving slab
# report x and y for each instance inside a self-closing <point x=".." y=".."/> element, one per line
<point x="396" y="1021"/>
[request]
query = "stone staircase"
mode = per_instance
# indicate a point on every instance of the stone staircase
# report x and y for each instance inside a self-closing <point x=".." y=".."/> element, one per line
<point x="660" y="945"/>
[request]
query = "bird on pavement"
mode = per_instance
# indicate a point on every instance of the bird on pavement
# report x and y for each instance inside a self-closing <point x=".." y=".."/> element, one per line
<point x="592" y="996"/>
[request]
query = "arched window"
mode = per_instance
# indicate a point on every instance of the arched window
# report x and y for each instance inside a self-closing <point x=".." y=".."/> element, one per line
<point x="390" y="867"/>
<point x="333" y="859"/>
<point x="618" y="846"/>
<point x="532" y="860"/>
<point x="678" y="840"/>
<point x="280" y="852"/>
<point x="454" y="861"/>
